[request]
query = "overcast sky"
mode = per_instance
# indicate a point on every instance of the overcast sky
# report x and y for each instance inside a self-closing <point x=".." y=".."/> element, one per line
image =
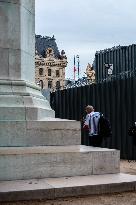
<point x="85" y="26"/>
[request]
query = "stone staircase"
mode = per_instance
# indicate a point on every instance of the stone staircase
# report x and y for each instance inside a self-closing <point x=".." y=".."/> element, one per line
<point x="50" y="148"/>
<point x="33" y="144"/>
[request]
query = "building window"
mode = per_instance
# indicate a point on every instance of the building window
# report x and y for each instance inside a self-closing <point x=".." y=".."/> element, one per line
<point x="41" y="84"/>
<point x="57" y="84"/>
<point x="57" y="73"/>
<point x="40" y="71"/>
<point x="49" y="84"/>
<point x="49" y="72"/>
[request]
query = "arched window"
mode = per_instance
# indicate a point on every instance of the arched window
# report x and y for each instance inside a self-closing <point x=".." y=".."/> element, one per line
<point x="49" y="72"/>
<point x="40" y="71"/>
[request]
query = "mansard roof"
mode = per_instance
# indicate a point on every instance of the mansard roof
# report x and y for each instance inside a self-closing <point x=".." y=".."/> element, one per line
<point x="42" y="43"/>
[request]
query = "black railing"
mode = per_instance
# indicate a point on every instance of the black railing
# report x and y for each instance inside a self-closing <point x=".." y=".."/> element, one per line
<point x="85" y="81"/>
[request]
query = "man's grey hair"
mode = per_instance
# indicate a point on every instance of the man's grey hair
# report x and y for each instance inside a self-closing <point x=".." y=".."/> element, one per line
<point x="89" y="107"/>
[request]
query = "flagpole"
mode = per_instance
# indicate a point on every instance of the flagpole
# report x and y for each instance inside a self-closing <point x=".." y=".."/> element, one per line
<point x="78" y="64"/>
<point x="74" y="67"/>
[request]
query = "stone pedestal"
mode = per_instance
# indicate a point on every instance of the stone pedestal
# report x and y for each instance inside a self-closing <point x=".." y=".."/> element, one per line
<point x="47" y="132"/>
<point x="33" y="144"/>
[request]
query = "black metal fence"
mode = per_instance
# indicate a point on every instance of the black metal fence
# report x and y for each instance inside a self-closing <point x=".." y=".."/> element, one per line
<point x="123" y="59"/>
<point x="116" y="99"/>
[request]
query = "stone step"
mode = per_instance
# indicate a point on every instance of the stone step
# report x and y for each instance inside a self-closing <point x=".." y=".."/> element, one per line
<point x="53" y="188"/>
<point x="48" y="131"/>
<point x="56" y="161"/>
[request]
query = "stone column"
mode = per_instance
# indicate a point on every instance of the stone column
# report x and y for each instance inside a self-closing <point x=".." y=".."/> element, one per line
<point x="17" y="39"/>
<point x="20" y="98"/>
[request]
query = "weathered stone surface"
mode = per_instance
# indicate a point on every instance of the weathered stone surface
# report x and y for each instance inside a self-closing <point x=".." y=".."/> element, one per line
<point x="51" y="131"/>
<point x="62" y="161"/>
<point x="110" y="159"/>
<point x="4" y="62"/>
<point x="53" y="188"/>
<point x="17" y="37"/>
<point x="28" y="4"/>
<point x="9" y="25"/>
<point x="22" y="101"/>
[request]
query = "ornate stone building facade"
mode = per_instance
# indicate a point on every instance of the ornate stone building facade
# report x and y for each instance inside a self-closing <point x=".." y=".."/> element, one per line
<point x="49" y="64"/>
